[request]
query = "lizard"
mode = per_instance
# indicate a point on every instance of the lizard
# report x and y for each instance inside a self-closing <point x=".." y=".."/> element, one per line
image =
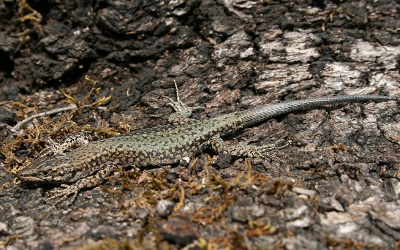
<point x="91" y="164"/>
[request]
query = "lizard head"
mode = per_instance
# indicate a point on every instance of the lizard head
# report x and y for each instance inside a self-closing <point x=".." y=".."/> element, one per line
<point x="52" y="169"/>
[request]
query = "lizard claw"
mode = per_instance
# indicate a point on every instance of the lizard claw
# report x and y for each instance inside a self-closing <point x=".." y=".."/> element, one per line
<point x="182" y="110"/>
<point x="63" y="193"/>
<point x="255" y="151"/>
<point x="262" y="151"/>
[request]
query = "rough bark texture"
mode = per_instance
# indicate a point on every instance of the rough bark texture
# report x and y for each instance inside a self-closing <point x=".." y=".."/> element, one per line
<point x="337" y="185"/>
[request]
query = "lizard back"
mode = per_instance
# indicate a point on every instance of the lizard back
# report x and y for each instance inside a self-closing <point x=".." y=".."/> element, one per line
<point x="153" y="146"/>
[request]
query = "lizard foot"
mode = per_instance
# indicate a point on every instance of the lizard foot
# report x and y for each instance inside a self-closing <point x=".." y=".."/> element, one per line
<point x="255" y="151"/>
<point x="63" y="193"/>
<point x="183" y="111"/>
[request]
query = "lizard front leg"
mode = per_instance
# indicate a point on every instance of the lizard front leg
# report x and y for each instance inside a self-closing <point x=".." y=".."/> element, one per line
<point x="85" y="183"/>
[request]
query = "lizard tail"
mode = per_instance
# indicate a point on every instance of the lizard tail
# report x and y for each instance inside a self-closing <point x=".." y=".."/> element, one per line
<point x="263" y="113"/>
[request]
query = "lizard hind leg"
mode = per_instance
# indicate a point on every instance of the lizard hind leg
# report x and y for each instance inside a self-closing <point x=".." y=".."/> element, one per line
<point x="239" y="150"/>
<point x="226" y="153"/>
<point x="252" y="151"/>
<point x="182" y="111"/>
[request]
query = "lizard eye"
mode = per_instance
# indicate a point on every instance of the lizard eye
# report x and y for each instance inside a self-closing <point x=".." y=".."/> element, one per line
<point x="45" y="173"/>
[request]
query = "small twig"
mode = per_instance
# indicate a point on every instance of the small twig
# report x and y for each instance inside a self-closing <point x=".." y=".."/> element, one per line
<point x="54" y="111"/>
<point x="76" y="105"/>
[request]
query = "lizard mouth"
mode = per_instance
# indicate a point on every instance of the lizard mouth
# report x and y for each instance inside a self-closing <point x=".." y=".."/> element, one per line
<point x="29" y="178"/>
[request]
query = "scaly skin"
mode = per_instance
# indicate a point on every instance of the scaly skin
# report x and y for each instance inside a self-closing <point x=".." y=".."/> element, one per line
<point x="89" y="165"/>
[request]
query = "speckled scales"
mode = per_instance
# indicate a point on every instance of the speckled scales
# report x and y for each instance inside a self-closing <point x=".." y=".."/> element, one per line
<point x="154" y="146"/>
<point x="88" y="165"/>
